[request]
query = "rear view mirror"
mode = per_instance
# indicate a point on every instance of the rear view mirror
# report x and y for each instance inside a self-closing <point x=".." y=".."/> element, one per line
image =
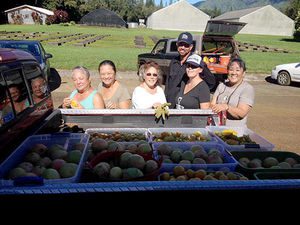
<point x="48" y="56"/>
<point x="54" y="80"/>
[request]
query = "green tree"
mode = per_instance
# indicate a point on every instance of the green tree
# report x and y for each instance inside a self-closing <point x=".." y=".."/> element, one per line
<point x="161" y="5"/>
<point x="292" y="9"/>
<point x="297" y="27"/>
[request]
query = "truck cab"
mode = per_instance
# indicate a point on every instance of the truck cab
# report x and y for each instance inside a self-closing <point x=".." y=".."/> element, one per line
<point x="216" y="46"/>
<point x="25" y="98"/>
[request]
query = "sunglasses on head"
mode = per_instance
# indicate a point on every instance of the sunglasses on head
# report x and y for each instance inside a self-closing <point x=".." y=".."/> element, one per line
<point x="190" y="66"/>
<point x="186" y="45"/>
<point x="153" y="74"/>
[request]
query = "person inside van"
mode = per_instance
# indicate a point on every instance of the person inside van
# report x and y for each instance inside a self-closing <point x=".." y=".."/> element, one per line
<point x="39" y="89"/>
<point x="6" y="111"/>
<point x="18" y="100"/>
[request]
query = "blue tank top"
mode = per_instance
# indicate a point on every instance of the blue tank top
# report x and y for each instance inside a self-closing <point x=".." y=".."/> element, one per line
<point x="87" y="103"/>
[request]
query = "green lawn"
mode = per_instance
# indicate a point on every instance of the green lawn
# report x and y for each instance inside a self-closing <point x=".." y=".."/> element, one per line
<point x="119" y="47"/>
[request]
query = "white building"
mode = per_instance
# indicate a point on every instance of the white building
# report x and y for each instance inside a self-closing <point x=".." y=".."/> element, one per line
<point x="179" y="16"/>
<point x="261" y="20"/>
<point x="27" y="14"/>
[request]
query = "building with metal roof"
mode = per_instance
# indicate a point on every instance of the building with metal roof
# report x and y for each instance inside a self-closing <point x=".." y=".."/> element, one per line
<point x="27" y="14"/>
<point x="178" y="16"/>
<point x="261" y="20"/>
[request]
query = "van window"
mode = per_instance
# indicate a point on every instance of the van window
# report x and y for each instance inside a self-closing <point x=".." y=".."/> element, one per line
<point x="17" y="90"/>
<point x="6" y="109"/>
<point x="160" y="47"/>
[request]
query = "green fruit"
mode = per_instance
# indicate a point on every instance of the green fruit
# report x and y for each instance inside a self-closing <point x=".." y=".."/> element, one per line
<point x="102" y="169"/>
<point x="116" y="173"/>
<point x="16" y="172"/>
<point x="74" y="156"/>
<point x="150" y="166"/>
<point x="188" y="155"/>
<point x="68" y="170"/>
<point x="99" y="145"/>
<point x="136" y="161"/>
<point x="132" y="173"/>
<point x="50" y="174"/>
<point x="269" y="162"/>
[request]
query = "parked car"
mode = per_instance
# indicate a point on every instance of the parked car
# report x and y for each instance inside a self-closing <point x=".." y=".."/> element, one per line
<point x="286" y="73"/>
<point x="216" y="46"/>
<point x="36" y="49"/>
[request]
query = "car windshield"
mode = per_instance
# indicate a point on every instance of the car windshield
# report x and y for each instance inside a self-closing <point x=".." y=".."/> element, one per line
<point x="32" y="48"/>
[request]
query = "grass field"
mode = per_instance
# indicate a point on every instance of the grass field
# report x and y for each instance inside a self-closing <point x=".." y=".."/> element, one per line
<point x="119" y="47"/>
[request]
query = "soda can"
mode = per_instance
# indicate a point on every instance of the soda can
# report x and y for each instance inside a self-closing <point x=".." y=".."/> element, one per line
<point x="222" y="118"/>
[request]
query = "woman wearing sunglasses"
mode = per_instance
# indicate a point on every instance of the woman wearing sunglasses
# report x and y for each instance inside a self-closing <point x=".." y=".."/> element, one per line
<point x="148" y="94"/>
<point x="194" y="92"/>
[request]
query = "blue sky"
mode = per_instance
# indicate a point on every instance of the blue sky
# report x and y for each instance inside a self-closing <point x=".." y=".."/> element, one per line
<point x="167" y="1"/>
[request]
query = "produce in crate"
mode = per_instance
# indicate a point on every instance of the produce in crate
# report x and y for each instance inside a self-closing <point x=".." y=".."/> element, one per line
<point x="118" y="136"/>
<point x="179" y="137"/>
<point x="123" y="166"/>
<point x="53" y="162"/>
<point x="230" y="137"/>
<point x="179" y="173"/>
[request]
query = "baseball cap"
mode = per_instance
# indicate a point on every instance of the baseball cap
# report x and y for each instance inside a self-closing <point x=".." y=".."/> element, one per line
<point x="185" y="37"/>
<point x="195" y="60"/>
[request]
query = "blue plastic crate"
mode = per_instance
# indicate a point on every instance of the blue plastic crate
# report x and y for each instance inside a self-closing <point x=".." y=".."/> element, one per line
<point x="261" y="143"/>
<point x="65" y="139"/>
<point x="229" y="160"/>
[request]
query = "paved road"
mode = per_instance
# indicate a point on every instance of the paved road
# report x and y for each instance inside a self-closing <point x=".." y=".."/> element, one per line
<point x="275" y="115"/>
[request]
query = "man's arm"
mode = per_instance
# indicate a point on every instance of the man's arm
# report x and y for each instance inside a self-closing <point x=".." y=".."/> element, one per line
<point x="208" y="77"/>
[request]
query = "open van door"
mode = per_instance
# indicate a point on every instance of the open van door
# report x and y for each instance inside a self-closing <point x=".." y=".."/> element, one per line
<point x="223" y="28"/>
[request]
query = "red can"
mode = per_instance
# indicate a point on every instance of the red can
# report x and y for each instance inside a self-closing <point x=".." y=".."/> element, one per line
<point x="222" y="118"/>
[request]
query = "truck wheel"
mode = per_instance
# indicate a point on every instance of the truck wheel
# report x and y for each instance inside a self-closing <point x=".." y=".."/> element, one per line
<point x="284" y="78"/>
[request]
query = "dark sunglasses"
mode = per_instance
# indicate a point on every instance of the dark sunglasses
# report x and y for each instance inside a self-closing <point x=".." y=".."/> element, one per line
<point x="153" y="74"/>
<point x="191" y="66"/>
<point x="186" y="45"/>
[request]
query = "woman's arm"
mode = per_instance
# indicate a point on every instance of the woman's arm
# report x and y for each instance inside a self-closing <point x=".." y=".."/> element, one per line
<point x="98" y="101"/>
<point x="125" y="104"/>
<point x="238" y="112"/>
<point x="204" y="105"/>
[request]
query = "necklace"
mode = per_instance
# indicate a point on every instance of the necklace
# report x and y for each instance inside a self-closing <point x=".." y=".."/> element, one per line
<point x="226" y="98"/>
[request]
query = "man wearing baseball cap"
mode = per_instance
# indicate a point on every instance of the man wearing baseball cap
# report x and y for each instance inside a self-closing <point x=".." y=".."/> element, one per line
<point x="178" y="69"/>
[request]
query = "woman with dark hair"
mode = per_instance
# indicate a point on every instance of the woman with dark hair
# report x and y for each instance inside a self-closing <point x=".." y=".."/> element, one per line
<point x="149" y="94"/>
<point x="84" y="96"/>
<point x="194" y="92"/>
<point x="235" y="97"/>
<point x="18" y="101"/>
<point x="115" y="94"/>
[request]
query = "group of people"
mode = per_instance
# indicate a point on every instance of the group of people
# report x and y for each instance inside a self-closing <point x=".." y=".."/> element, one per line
<point x="187" y="86"/>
